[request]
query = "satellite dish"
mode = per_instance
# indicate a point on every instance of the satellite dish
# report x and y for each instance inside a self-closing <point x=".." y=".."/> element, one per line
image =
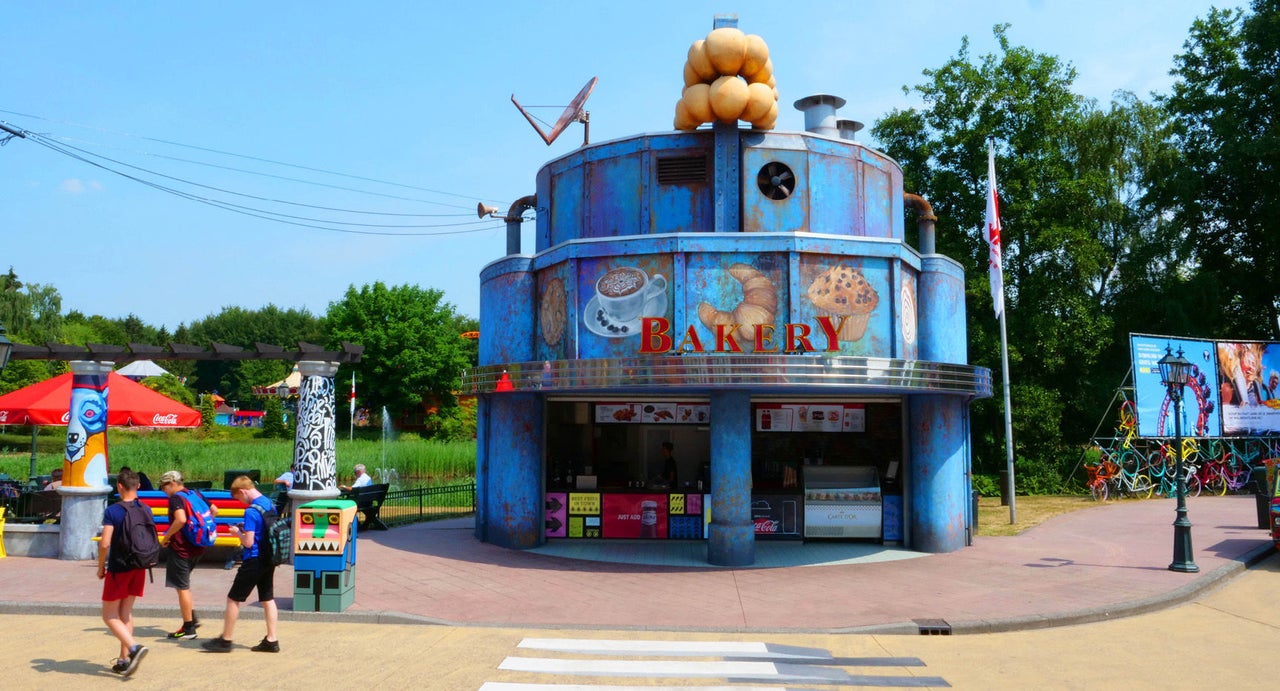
<point x="572" y="113"/>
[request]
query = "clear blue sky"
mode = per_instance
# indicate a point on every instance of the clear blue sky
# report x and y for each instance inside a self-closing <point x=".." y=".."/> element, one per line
<point x="416" y="94"/>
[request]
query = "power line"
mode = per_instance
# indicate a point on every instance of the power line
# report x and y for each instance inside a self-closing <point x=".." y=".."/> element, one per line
<point x="49" y="142"/>
<point x="246" y="156"/>
<point x="298" y="180"/>
<point x="248" y="211"/>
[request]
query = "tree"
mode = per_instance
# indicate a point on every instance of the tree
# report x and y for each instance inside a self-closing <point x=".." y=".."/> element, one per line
<point x="1225" y="102"/>
<point x="413" y="348"/>
<point x="273" y="424"/>
<point x="172" y="387"/>
<point x="243" y="327"/>
<point x="1069" y="207"/>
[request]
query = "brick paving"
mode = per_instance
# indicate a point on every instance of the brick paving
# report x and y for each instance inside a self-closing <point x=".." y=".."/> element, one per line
<point x="1098" y="563"/>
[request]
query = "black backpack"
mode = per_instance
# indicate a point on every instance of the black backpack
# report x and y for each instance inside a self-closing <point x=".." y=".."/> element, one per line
<point x="138" y="538"/>
<point x="277" y="538"/>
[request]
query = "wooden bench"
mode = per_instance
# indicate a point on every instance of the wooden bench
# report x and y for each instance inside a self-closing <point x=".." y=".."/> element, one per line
<point x="368" y="502"/>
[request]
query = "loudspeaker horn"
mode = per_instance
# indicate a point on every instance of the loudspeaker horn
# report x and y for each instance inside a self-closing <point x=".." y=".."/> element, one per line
<point x="483" y="210"/>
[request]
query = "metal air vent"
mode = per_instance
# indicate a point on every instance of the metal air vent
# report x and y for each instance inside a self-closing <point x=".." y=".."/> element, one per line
<point x="776" y="180"/>
<point x="682" y="170"/>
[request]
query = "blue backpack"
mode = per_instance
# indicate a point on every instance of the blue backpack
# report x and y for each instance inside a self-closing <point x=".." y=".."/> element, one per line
<point x="200" y="529"/>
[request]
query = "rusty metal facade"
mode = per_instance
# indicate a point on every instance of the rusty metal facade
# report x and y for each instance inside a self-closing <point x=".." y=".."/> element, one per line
<point x="732" y="222"/>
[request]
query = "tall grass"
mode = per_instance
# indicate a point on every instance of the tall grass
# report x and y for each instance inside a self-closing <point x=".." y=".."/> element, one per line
<point x="415" y="460"/>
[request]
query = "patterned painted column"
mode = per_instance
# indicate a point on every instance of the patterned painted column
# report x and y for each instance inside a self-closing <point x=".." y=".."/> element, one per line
<point x="315" y="467"/>
<point x="938" y="476"/>
<point x="512" y="508"/>
<point x="939" y="484"/>
<point x="84" y="466"/>
<point x="732" y="538"/>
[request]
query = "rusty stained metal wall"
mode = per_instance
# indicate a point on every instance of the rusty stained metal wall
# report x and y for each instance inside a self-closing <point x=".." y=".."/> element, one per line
<point x="507" y="311"/>
<point x="943" y="336"/>
<point x="938" y="433"/>
<point x="731" y="541"/>
<point x="509" y="488"/>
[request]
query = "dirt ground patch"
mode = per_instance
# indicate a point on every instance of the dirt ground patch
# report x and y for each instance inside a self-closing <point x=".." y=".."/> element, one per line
<point x="993" y="519"/>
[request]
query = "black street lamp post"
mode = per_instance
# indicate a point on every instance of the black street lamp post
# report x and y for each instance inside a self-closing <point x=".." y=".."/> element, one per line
<point x="6" y="347"/>
<point x="1174" y="373"/>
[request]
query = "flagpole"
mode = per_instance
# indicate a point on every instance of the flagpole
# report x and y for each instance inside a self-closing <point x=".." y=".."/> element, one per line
<point x="996" y="262"/>
<point x="1008" y="423"/>
<point x="351" y="424"/>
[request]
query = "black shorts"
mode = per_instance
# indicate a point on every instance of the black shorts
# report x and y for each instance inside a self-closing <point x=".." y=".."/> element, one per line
<point x="254" y="573"/>
<point x="177" y="571"/>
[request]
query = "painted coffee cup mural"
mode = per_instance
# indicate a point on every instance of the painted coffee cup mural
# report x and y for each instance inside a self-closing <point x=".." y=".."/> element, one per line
<point x="624" y="294"/>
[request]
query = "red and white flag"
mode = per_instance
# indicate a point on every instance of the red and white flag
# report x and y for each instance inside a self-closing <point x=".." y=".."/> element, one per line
<point x="353" y="394"/>
<point x="993" y="232"/>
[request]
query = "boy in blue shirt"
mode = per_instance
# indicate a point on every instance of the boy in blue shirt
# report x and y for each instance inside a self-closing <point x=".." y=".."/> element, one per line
<point x="256" y="571"/>
<point x="121" y="584"/>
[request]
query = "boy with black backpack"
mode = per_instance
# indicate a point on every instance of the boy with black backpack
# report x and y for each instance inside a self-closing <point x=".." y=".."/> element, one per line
<point x="257" y="571"/>
<point x="191" y="530"/>
<point x="127" y="549"/>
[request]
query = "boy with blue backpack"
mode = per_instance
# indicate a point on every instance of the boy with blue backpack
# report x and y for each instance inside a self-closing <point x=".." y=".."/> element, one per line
<point x="191" y="530"/>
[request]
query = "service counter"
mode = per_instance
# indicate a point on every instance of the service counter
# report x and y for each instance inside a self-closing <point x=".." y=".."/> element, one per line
<point x="626" y="513"/>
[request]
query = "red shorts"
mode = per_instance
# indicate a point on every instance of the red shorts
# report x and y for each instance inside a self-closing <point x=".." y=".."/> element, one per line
<point x="118" y="586"/>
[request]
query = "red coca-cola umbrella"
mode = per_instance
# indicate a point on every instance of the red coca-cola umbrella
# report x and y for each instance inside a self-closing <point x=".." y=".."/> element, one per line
<point x="129" y="404"/>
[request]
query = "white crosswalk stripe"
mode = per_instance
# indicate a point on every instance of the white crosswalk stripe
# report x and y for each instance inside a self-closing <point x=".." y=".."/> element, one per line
<point x="743" y="664"/>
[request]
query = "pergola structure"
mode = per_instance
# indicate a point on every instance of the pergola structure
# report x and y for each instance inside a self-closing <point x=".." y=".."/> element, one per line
<point x="85" y="481"/>
<point x="348" y="354"/>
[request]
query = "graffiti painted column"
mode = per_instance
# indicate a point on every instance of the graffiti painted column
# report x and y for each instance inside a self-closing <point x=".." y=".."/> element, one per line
<point x="84" y="466"/>
<point x="315" y="467"/>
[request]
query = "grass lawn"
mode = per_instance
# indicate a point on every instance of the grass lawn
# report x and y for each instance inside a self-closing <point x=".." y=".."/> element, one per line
<point x="993" y="519"/>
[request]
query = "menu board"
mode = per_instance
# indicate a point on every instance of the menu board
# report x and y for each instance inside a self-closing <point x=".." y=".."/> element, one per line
<point x="634" y="515"/>
<point x="811" y="417"/>
<point x="653" y="412"/>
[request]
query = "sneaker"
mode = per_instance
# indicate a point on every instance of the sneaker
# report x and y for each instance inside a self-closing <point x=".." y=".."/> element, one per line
<point x="188" y="630"/>
<point x="120" y="665"/>
<point x="266" y="646"/>
<point x="218" y="645"/>
<point x="135" y="659"/>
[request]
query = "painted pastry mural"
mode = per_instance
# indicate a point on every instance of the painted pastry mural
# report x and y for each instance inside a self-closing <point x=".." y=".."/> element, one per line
<point x="552" y="312"/>
<point x="759" y="304"/>
<point x="844" y="294"/>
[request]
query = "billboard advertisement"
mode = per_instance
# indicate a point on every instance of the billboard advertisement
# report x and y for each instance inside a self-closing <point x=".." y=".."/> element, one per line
<point x="1248" y="381"/>
<point x="1200" y="398"/>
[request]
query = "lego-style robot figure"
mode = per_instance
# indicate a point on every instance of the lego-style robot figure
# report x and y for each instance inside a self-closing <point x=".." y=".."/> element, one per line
<point x="324" y="555"/>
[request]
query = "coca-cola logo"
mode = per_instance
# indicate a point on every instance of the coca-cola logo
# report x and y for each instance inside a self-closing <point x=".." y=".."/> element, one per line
<point x="4" y="416"/>
<point x="768" y="525"/>
<point x="170" y="419"/>
<point x="66" y="417"/>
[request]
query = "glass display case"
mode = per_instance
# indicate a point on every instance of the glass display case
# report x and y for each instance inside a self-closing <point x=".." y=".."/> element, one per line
<point x="842" y="502"/>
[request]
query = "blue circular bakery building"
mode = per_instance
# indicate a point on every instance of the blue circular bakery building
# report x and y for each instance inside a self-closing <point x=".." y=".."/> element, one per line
<point x="723" y="335"/>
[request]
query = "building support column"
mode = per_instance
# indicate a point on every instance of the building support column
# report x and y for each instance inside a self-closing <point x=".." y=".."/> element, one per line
<point x="84" y="466"/>
<point x="512" y="511"/>
<point x="315" y="465"/>
<point x="938" y="482"/>
<point x="732" y="539"/>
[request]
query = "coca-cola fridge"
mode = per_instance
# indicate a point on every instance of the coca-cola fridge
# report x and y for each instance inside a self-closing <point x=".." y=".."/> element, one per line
<point x="842" y="502"/>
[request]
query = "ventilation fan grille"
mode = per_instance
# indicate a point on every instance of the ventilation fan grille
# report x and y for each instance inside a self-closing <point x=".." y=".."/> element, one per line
<point x="682" y="170"/>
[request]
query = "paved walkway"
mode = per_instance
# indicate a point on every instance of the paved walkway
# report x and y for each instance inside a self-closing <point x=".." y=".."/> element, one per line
<point x="1098" y="563"/>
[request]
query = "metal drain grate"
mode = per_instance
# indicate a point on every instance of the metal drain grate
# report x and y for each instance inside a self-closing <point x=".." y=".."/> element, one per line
<point x="933" y="627"/>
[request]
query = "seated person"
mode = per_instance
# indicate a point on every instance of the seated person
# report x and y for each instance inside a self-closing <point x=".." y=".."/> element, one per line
<point x="284" y="483"/>
<point x="55" y="482"/>
<point x="362" y="479"/>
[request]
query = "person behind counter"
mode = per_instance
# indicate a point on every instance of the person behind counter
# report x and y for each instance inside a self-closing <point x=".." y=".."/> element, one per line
<point x="669" y="471"/>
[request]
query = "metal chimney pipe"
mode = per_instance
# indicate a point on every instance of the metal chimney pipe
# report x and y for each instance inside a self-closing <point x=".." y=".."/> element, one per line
<point x="925" y="213"/>
<point x="820" y="113"/>
<point x="514" y="219"/>
<point x="848" y="128"/>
